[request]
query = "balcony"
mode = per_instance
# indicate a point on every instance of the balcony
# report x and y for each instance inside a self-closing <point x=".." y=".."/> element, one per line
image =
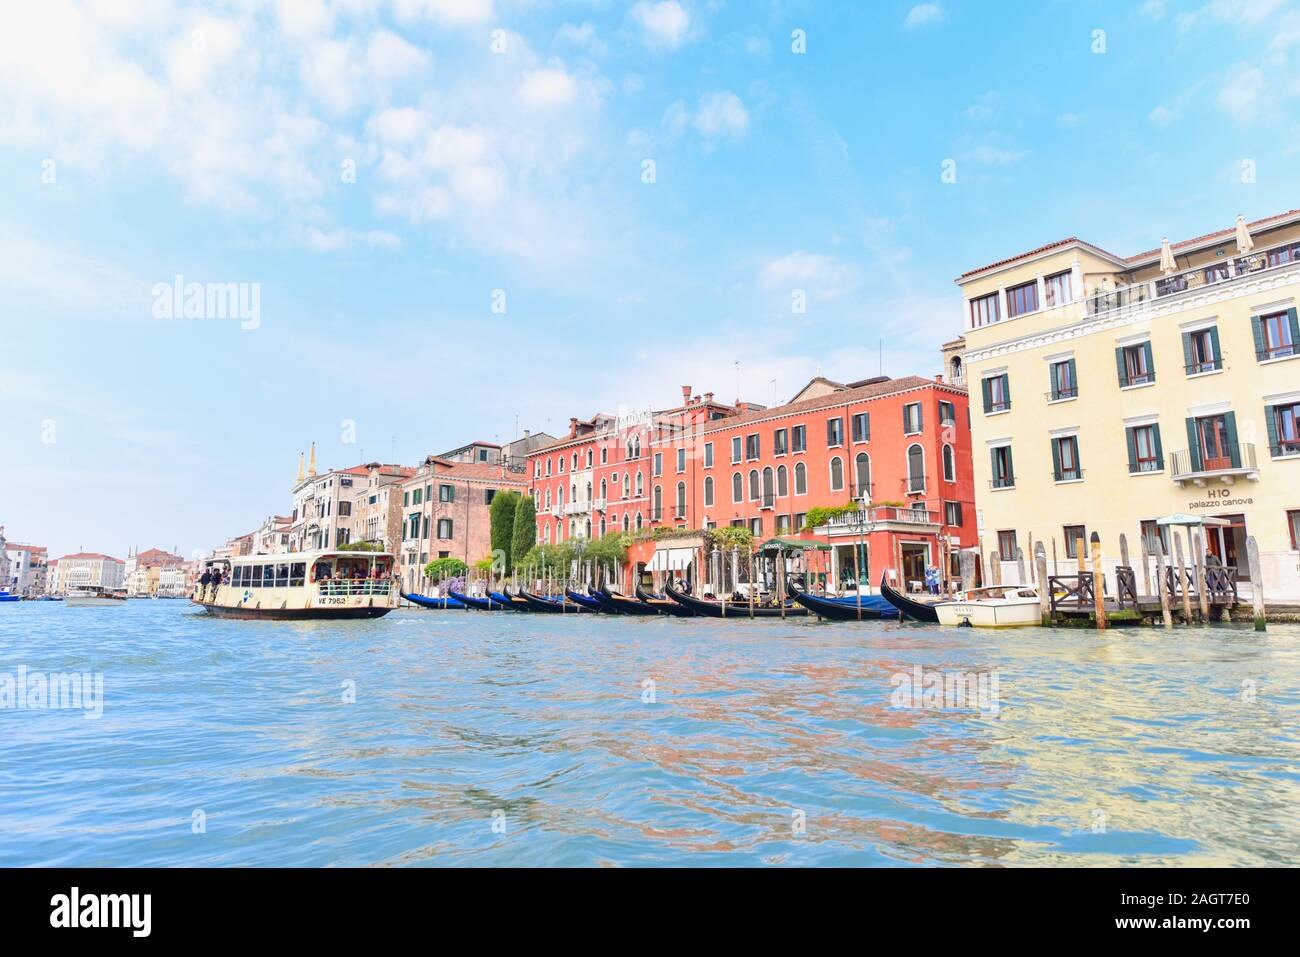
<point x="576" y="508"/>
<point x="1067" y="475"/>
<point x="1003" y="481"/>
<point x="1060" y="395"/>
<point x="866" y="519"/>
<point x="1192" y="465"/>
<point x="1204" y="366"/>
<point x="598" y="504"/>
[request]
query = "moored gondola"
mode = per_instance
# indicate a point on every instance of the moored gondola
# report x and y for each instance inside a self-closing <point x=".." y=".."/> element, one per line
<point x="620" y="604"/>
<point x="552" y="606"/>
<point x="586" y="601"/>
<point x="513" y="602"/>
<point x="732" y="609"/>
<point x="446" y="603"/>
<point x="836" y="610"/>
<point x="662" y="605"/>
<point x="915" y="610"/>
<point x="478" y="604"/>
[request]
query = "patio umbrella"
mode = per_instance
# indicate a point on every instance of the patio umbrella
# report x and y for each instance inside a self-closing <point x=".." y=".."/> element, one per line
<point x="1244" y="243"/>
<point x="1167" y="263"/>
<point x="1190" y="521"/>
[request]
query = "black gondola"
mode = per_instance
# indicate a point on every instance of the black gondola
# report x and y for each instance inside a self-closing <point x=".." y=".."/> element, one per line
<point x="551" y="606"/>
<point x="620" y="604"/>
<point x="478" y="604"/>
<point x="439" y="604"/>
<point x="662" y="605"/>
<point x="733" y="609"/>
<point x="916" y="610"/>
<point x="836" y="610"/>
<point x="586" y="601"/>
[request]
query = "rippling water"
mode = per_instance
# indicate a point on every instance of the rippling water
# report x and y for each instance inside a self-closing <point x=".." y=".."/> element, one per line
<point x="494" y="739"/>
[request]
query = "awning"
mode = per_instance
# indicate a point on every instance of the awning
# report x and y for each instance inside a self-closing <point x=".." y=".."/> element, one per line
<point x="1190" y="521"/>
<point x="670" y="559"/>
<point x="779" y="544"/>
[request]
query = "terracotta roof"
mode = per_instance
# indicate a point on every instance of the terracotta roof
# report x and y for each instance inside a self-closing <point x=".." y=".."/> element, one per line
<point x="154" y="556"/>
<point x="481" y="471"/>
<point x="25" y="548"/>
<point x="1228" y="233"/>
<point x="873" y="391"/>
<point x="76" y="555"/>
<point x="1010" y="259"/>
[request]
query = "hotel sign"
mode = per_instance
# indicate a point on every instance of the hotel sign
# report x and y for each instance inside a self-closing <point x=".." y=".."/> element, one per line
<point x="1218" y="498"/>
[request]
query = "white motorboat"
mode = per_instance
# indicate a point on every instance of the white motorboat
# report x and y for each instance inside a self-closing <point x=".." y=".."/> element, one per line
<point x="90" y="597"/>
<point x="999" y="606"/>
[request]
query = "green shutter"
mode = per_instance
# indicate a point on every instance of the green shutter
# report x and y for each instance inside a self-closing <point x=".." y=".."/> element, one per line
<point x="987" y="391"/>
<point x="1151" y="362"/>
<point x="1131" y="436"/>
<point x="866" y="422"/>
<point x="1074" y="376"/>
<point x="1160" y="449"/>
<point x="1193" y="445"/>
<point x="1257" y="326"/>
<point x="1295" y="329"/>
<point x="1187" y="352"/>
<point x="1056" y="459"/>
<point x="1119" y="364"/>
<point x="1055" y="370"/>
<point x="1006" y="388"/>
<point x="1234" y="449"/>
<point x="920" y="417"/>
<point x="1270" y="417"/>
<point x="1214" y="347"/>
<point x="993" y="456"/>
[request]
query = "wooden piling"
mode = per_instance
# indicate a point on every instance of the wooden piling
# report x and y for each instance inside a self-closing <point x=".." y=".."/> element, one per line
<point x="1162" y="584"/>
<point x="967" y="559"/>
<point x="995" y="568"/>
<point x="1044" y="589"/>
<point x="1181" y="578"/>
<point x="1123" y="549"/>
<point x="1098" y="583"/>
<point x="1020" y="566"/>
<point x="1256" y="582"/>
<point x="1146" y="566"/>
<point x="1198" y="559"/>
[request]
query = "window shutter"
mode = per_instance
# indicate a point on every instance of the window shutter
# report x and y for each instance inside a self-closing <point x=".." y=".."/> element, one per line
<point x="866" y="423"/>
<point x="1056" y="459"/>
<point x="1295" y="328"/>
<point x="1006" y="388"/>
<point x="1119" y="364"/>
<point x="1270" y="417"/>
<point x="993" y="454"/>
<point x="1217" y="356"/>
<point x="1234" y="450"/>
<point x="1131" y="436"/>
<point x="987" y="389"/>
<point x="1257" y="326"/>
<point x="1055" y="371"/>
<point x="1160" y="451"/>
<point x="1074" y="376"/>
<point x="1193" y="445"/>
<point x="920" y="417"/>
<point x="1187" y="351"/>
<point x="1151" y="362"/>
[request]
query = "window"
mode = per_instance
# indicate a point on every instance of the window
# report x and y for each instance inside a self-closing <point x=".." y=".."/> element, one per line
<point x="1073" y="534"/>
<point x="1064" y="380"/>
<point x="1004" y="475"/>
<point x="417" y="496"/>
<point x="737" y="487"/>
<point x="708" y="455"/>
<point x="681" y="460"/>
<point x="1007" y="547"/>
<point x="912" y="418"/>
<point x="627" y="484"/>
<point x="658" y="464"/>
<point x="751" y="448"/>
<point x="862" y="476"/>
<point x="1155" y="536"/>
<point x="1277" y="335"/>
<point x="779" y="442"/>
<point x="1056" y="290"/>
<point x="769" y="488"/>
<point x="1022" y="299"/>
<point x="488" y="495"/>
<point x="862" y="427"/>
<point x="800" y="479"/>
<point x="681" y="499"/>
<point x="798" y="439"/>
<point x="782" y="524"/>
<point x="799" y="519"/>
<point x="1283" y="429"/>
<point x="737" y="449"/>
<point x="1293" y="523"/>
<point x="949" y="464"/>
<point x="345" y="509"/>
<point x="1135" y="365"/>
<point x="837" y="474"/>
<point x="952" y="514"/>
<point x="997" y="393"/>
<point x="604" y="455"/>
<point x="575" y="462"/>
<point x="657" y="504"/>
<point x="708" y="492"/>
<point x="1201" y="351"/>
<point x="985" y="310"/>
<point x="560" y="464"/>
<point x="947" y="414"/>
<point x="915" y="469"/>
<point x="446" y="493"/>
<point x="834" y="432"/>
<point x="413" y="525"/>
<point x="756" y="527"/>
<point x="1065" y="459"/>
<point x="1144" y="451"/>
<point x="753" y="485"/>
<point x="782" y="481"/>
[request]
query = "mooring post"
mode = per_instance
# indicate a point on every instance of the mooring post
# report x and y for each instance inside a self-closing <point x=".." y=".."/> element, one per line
<point x="967" y="570"/>
<point x="1256" y="581"/>
<point x="995" y="568"/>
<point x="1044" y="589"/>
<point x="1146" y="566"/>
<point x="1180" y="575"/>
<point x="1098" y="583"/>
<point x="1162" y="583"/>
<point x="1202" y="586"/>
<point x="1020" y="566"/>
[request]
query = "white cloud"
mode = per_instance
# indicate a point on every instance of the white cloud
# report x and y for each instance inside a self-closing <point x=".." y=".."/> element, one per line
<point x="663" y="24"/>
<point x="824" y="278"/>
<point x="456" y="13"/>
<point x="1242" y="94"/>
<point x="721" y="115"/>
<point x="1162" y="116"/>
<point x="548" y="87"/>
<point x="334" y="240"/>
<point x="923" y="15"/>
<point x="989" y="155"/>
<point x="390" y="58"/>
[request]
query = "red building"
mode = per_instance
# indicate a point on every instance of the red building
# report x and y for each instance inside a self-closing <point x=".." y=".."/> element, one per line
<point x="900" y="448"/>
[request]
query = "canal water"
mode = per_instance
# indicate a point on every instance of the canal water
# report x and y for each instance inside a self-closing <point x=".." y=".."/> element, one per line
<point x="453" y="738"/>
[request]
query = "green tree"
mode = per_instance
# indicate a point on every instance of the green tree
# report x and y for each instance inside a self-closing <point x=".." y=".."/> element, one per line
<point x="361" y="547"/>
<point x="501" y="514"/>
<point x="524" y="533"/>
<point x="443" y="568"/>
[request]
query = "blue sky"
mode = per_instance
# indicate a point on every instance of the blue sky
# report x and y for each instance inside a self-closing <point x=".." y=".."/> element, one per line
<point x="381" y="170"/>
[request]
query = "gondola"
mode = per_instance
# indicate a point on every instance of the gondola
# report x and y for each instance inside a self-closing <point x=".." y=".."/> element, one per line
<point x="440" y="604"/>
<point x="513" y="602"/>
<point x="478" y="604"/>
<point x="874" y="602"/>
<point x="837" y="610"/>
<point x="552" y="606"/>
<point x="586" y="601"/>
<point x="663" y="605"/>
<point x="733" y="609"/>
<point x="619" y="604"/>
<point x="916" y="610"/>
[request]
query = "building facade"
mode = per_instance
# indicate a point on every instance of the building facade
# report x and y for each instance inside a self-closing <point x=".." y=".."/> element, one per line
<point x="899" y="449"/>
<point x="90" y="570"/>
<point x="27" y="569"/>
<point x="151" y="574"/>
<point x="1111" y="391"/>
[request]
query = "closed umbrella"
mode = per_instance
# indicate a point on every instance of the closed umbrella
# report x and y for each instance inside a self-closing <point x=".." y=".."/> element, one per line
<point x="1244" y="243"/>
<point x="1167" y="264"/>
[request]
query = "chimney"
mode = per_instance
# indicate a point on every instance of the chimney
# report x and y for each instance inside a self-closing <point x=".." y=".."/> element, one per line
<point x="526" y="433"/>
<point x="939" y="379"/>
<point x="708" y="397"/>
<point x="686" y="395"/>
<point x="573" y="426"/>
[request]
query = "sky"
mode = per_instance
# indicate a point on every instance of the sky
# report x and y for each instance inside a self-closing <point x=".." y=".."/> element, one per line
<point x="452" y="220"/>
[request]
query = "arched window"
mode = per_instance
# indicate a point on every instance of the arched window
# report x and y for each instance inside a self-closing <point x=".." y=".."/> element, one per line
<point x="627" y="484"/>
<point x="559" y="468"/>
<point x="753" y="485"/>
<point x="915" y="469"/>
<point x="590" y="460"/>
<point x="638" y="521"/>
<point x="589" y="528"/>
<point x="956" y="369"/>
<point x="800" y="479"/>
<point x="548" y="498"/>
<point x="658" y="512"/>
<point x="640" y="485"/>
<point x="769" y="486"/>
<point x="602" y="528"/>
<point x="681" y="499"/>
<point x="708" y="492"/>
<point x="862" y="476"/>
<point x="782" y="482"/>
<point x="625" y="523"/>
<point x="636" y="447"/>
<point x="604" y="489"/>
<point x="949" y="465"/>
<point x="573" y="492"/>
<point x="837" y="474"/>
<point x="737" y="487"/>
<point x="559" y="496"/>
<point x="546" y="533"/>
<point x="575" y="461"/>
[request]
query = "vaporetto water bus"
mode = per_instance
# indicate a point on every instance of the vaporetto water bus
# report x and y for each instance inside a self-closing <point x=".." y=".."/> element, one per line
<point x="299" y="586"/>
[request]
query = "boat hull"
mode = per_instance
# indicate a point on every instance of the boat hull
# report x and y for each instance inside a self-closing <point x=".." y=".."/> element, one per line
<point x="620" y="605"/>
<point x="296" y="614"/>
<point x="435" y="604"/>
<point x="835" y="610"/>
<point x="586" y="601"/>
<point x="915" y="610"/>
<point x="93" y="601"/>
<point x="553" y="606"/>
<point x="716" y="609"/>
<point x="990" y="614"/>
<point x="478" y="604"/>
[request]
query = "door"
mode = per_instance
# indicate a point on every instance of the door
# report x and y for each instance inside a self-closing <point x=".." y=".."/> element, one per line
<point x="1227" y="543"/>
<point x="1212" y="432"/>
<point x="915" y="558"/>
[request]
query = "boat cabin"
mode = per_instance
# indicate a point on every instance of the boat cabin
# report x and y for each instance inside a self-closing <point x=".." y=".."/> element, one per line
<point x="299" y="581"/>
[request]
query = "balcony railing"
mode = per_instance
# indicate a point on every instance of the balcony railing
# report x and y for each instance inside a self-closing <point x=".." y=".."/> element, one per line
<point x="341" y="587"/>
<point x="914" y="484"/>
<point x="767" y="500"/>
<point x="1147" y="465"/>
<point x="1058" y="395"/>
<point x="866" y="517"/>
<point x="1235" y="459"/>
<point x="576" y="508"/>
<point x="598" y="504"/>
<point x="1207" y="365"/>
<point x="1067" y="475"/>
<point x="997" y="406"/>
<point x="1003" y="481"/>
<point x="1284" y="448"/>
<point x="1276" y="352"/>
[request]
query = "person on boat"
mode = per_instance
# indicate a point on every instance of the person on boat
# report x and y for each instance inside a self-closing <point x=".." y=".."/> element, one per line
<point x="204" y="580"/>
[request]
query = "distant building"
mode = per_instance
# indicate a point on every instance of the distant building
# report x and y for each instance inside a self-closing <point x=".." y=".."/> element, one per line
<point x="142" y="573"/>
<point x="28" y="570"/>
<point x="90" y="570"/>
<point x="513" y="455"/>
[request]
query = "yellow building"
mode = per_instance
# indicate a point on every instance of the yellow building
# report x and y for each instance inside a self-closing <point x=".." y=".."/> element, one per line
<point x="1109" y="391"/>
